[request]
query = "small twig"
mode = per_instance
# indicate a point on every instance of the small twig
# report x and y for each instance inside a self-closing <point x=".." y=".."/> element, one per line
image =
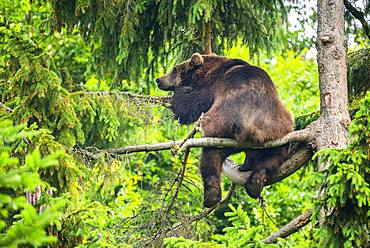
<point x="181" y="179"/>
<point x="162" y="100"/>
<point x="359" y="16"/>
<point x="263" y="207"/>
<point x="290" y="228"/>
<point x="181" y="175"/>
<point x="6" y="107"/>
<point x="191" y="134"/>
<point x="206" y="212"/>
<point x="87" y="153"/>
<point x="210" y="210"/>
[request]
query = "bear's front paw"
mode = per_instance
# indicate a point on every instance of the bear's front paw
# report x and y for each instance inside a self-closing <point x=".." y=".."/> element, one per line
<point x="211" y="197"/>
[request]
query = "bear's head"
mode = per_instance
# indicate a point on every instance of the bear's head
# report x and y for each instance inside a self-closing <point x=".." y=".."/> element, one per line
<point x="185" y="74"/>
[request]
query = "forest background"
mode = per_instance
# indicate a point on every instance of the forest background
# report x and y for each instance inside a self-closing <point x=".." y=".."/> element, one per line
<point x="76" y="79"/>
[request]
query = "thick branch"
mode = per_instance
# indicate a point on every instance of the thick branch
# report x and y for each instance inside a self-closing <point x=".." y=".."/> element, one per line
<point x="359" y="16"/>
<point x="297" y="136"/>
<point x="230" y="169"/>
<point x="286" y="169"/>
<point x="290" y="228"/>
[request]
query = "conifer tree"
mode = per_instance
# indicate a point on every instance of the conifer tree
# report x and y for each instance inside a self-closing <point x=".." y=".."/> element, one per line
<point x="132" y="37"/>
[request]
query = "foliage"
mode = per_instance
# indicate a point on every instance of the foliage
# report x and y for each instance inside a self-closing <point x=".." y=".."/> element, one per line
<point x="46" y="79"/>
<point x="354" y="26"/>
<point x="240" y="234"/>
<point x="358" y="73"/>
<point x="31" y="21"/>
<point x="38" y="92"/>
<point x="131" y="38"/>
<point x="22" y="221"/>
<point x="345" y="197"/>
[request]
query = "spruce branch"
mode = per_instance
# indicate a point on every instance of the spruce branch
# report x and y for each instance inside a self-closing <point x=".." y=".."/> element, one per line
<point x="11" y="111"/>
<point x="208" y="211"/>
<point x="161" y="100"/>
<point x="180" y="180"/>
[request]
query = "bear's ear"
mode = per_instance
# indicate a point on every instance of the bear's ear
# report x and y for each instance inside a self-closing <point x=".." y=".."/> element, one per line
<point x="196" y="60"/>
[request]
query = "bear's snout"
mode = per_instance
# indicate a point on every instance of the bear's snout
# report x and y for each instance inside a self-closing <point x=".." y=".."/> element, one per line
<point x="160" y="84"/>
<point x="163" y="85"/>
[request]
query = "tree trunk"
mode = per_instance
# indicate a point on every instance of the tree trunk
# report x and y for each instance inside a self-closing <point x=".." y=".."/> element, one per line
<point x="331" y="59"/>
<point x="330" y="130"/>
<point x="208" y="38"/>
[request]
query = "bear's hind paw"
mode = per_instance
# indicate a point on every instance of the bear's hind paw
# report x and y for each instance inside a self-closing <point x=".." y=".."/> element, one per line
<point x="212" y="196"/>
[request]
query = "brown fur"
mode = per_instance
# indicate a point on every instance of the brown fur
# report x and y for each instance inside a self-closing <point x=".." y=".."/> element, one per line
<point x="240" y="101"/>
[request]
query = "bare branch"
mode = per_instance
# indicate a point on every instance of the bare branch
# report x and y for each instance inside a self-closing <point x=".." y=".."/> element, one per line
<point x="204" y="213"/>
<point x="6" y="107"/>
<point x="181" y="175"/>
<point x="297" y="136"/>
<point x="181" y="179"/>
<point x="286" y="169"/>
<point x="162" y="100"/>
<point x="87" y="154"/>
<point x="229" y="168"/>
<point x="191" y="134"/>
<point x="290" y="228"/>
<point x="359" y="16"/>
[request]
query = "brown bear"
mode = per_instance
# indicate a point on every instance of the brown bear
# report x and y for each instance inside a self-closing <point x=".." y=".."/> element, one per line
<point x="239" y="101"/>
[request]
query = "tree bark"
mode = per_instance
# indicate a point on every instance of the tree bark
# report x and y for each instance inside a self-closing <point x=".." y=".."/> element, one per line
<point x="208" y="38"/>
<point x="296" y="136"/>
<point x="331" y="127"/>
<point x="290" y="228"/>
